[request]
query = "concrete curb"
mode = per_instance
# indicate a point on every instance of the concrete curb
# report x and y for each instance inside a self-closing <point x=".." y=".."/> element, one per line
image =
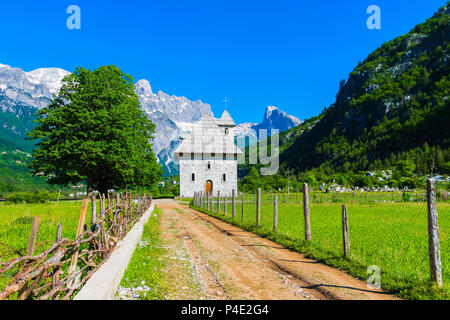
<point x="104" y="282"/>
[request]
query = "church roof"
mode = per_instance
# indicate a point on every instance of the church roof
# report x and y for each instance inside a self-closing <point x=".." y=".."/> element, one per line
<point x="226" y="120"/>
<point x="207" y="137"/>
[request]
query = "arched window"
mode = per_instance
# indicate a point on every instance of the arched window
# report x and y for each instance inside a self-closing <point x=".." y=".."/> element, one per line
<point x="209" y="165"/>
<point x="193" y="177"/>
<point x="226" y="130"/>
<point x="224" y="177"/>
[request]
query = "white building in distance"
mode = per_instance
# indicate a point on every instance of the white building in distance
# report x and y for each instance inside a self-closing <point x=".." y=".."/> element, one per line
<point x="208" y="157"/>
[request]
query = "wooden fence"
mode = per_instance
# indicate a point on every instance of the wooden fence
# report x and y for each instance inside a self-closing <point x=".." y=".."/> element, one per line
<point x="206" y="202"/>
<point x="66" y="265"/>
<point x="356" y="196"/>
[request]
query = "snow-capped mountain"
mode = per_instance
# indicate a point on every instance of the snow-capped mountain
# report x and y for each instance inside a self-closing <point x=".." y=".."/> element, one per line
<point x="34" y="88"/>
<point x="22" y="92"/>
<point x="274" y="118"/>
<point x="172" y="116"/>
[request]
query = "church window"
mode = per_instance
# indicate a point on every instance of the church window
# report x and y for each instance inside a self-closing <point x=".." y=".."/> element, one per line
<point x="192" y="156"/>
<point x="193" y="177"/>
<point x="226" y="130"/>
<point x="209" y="165"/>
<point x="224" y="177"/>
<point x="235" y="156"/>
<point x="181" y="154"/>
<point x="213" y="154"/>
<point x="224" y="156"/>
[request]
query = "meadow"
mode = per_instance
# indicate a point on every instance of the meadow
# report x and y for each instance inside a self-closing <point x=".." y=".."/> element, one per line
<point x="392" y="236"/>
<point x="16" y="220"/>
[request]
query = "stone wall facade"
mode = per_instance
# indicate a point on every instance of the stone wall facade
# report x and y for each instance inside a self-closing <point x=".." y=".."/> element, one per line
<point x="199" y="167"/>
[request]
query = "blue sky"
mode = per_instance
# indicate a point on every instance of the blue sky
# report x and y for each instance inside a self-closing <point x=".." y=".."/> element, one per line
<point x="291" y="54"/>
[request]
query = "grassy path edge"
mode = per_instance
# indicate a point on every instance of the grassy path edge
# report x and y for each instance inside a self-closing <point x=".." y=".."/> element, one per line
<point x="143" y="278"/>
<point x="400" y="287"/>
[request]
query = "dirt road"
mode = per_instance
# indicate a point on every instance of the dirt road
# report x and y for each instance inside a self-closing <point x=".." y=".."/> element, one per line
<point x="211" y="259"/>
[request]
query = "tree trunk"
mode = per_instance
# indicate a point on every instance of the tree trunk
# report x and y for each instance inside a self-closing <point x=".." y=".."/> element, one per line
<point x="102" y="188"/>
<point x="89" y="190"/>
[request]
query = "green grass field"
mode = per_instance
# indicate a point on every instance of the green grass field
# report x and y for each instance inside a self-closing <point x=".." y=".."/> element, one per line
<point x="16" y="220"/>
<point x="392" y="236"/>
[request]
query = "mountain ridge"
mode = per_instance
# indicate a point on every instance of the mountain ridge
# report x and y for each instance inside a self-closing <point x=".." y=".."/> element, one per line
<point x="393" y="107"/>
<point x="21" y="93"/>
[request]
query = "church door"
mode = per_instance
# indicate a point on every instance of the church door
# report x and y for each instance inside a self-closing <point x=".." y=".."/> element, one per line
<point x="209" y="187"/>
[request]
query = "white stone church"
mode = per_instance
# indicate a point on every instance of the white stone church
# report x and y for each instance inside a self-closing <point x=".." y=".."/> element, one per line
<point x="208" y="157"/>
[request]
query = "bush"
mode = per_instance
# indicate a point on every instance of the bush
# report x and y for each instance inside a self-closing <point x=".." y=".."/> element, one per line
<point x="28" y="197"/>
<point x="406" y="197"/>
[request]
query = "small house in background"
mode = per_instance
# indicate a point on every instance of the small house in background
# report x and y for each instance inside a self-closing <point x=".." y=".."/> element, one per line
<point x="370" y="174"/>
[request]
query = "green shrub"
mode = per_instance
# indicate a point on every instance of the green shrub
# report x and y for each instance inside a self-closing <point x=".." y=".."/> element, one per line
<point x="28" y="197"/>
<point x="406" y="197"/>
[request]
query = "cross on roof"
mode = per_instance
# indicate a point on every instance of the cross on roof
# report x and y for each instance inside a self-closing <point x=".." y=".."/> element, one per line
<point x="225" y="102"/>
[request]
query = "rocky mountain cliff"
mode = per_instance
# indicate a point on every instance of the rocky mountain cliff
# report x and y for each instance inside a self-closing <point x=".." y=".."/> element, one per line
<point x="274" y="118"/>
<point x="173" y="116"/>
<point x="21" y="93"/>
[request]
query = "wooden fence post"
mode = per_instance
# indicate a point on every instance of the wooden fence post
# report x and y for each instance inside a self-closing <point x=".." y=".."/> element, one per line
<point x="203" y="200"/>
<point x="110" y="205"/>
<point x="345" y="232"/>
<point x="275" y="213"/>
<point x="306" y="212"/>
<point x="233" y="201"/>
<point x="73" y="263"/>
<point x="208" y="200"/>
<point x="103" y="236"/>
<point x="243" y="204"/>
<point x="58" y="232"/>
<point x="218" y="201"/>
<point x="258" y="208"/>
<point x="24" y="292"/>
<point x="33" y="234"/>
<point x="102" y="206"/>
<point x="225" y="205"/>
<point x="94" y="209"/>
<point x="434" y="251"/>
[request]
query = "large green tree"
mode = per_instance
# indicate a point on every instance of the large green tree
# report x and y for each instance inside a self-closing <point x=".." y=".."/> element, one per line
<point x="95" y="131"/>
